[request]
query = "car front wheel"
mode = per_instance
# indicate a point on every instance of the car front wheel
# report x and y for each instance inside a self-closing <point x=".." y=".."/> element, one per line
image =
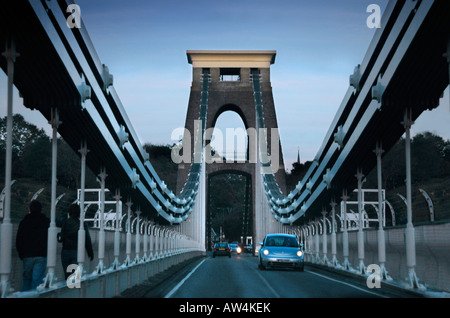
<point x="261" y="266"/>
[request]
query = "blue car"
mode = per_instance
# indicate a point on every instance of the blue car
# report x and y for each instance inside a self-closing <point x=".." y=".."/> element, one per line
<point x="235" y="248"/>
<point x="281" y="251"/>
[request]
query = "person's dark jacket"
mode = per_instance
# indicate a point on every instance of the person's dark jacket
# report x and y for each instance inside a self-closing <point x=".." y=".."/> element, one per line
<point x="69" y="236"/>
<point x="32" y="236"/>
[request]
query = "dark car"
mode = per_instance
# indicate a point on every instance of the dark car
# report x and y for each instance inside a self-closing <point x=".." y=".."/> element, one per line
<point x="222" y="249"/>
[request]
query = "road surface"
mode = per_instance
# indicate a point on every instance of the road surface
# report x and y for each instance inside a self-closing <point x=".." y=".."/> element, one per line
<point x="239" y="277"/>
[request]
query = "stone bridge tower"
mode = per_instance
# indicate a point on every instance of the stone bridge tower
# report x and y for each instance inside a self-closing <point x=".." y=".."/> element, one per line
<point x="231" y="89"/>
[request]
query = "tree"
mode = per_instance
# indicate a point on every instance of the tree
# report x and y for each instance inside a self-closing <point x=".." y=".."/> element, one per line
<point x="394" y="168"/>
<point x="36" y="160"/>
<point x="161" y="160"/>
<point x="426" y="157"/>
<point x="226" y="204"/>
<point x="23" y="134"/>
<point x="430" y="158"/>
<point x="296" y="174"/>
<point x="32" y="155"/>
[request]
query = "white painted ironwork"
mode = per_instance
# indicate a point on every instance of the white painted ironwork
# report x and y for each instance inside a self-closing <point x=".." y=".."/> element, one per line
<point x="429" y="203"/>
<point x="6" y="227"/>
<point x="305" y="193"/>
<point x="409" y="232"/>
<point x="334" y="260"/>
<point x="52" y="230"/>
<point x="35" y="196"/>
<point x="381" y="215"/>
<point x="82" y="231"/>
<point x="353" y="217"/>
<point x="361" y="266"/>
<point x="2" y="199"/>
<point x="345" y="248"/>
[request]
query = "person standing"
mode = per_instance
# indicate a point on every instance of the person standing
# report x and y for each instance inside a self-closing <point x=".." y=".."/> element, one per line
<point x="69" y="239"/>
<point x="31" y="245"/>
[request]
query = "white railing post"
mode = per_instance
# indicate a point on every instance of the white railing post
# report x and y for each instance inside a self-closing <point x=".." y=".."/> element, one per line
<point x="52" y="230"/>
<point x="137" y="258"/>
<point x="176" y="243"/>
<point x="409" y="231"/>
<point x="145" y="239"/>
<point x="317" y="241"/>
<point x="82" y="231"/>
<point x="334" y="260"/>
<point x="117" y="197"/>
<point x="169" y="243"/>
<point x="380" y="233"/>
<point x="6" y="228"/>
<point x="345" y="251"/>
<point x="127" y="261"/>
<point x="310" y="244"/>
<point x="311" y="240"/>
<point x="152" y="255"/>
<point x="165" y="241"/>
<point x="361" y="267"/>
<point x="157" y="243"/>
<point x="303" y="236"/>
<point x="101" y="235"/>
<point x="324" y="238"/>
<point x="305" y="239"/>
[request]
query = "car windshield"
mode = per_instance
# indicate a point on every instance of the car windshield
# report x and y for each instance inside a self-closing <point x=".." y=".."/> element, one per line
<point x="284" y="241"/>
<point x="221" y="245"/>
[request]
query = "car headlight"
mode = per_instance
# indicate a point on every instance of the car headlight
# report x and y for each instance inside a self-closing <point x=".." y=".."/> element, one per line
<point x="266" y="252"/>
<point x="238" y="250"/>
<point x="299" y="253"/>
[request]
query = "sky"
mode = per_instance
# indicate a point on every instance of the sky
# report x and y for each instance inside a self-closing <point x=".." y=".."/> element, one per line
<point x="318" y="45"/>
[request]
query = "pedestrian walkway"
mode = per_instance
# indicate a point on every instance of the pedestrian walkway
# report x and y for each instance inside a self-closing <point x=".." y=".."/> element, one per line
<point x="140" y="291"/>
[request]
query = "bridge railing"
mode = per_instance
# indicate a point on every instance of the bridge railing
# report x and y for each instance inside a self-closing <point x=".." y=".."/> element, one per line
<point x="86" y="111"/>
<point x="388" y="91"/>
<point x="327" y="246"/>
<point x="130" y="258"/>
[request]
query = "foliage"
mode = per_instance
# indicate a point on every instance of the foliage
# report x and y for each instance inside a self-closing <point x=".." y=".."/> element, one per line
<point x="31" y="162"/>
<point x="296" y="174"/>
<point x="229" y="205"/>
<point x="430" y="159"/>
<point x="161" y="160"/>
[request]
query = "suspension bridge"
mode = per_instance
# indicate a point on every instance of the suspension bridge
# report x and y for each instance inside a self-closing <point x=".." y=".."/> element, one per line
<point x="57" y="71"/>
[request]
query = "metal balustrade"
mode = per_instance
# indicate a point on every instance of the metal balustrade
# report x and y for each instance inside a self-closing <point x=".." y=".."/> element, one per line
<point x="386" y="93"/>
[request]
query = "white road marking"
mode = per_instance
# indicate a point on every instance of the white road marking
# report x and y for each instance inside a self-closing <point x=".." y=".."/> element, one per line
<point x="182" y="282"/>
<point x="174" y="290"/>
<point x="356" y="287"/>
<point x="267" y="284"/>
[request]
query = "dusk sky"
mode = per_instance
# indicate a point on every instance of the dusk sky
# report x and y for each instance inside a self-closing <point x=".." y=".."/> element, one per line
<point x="318" y="44"/>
